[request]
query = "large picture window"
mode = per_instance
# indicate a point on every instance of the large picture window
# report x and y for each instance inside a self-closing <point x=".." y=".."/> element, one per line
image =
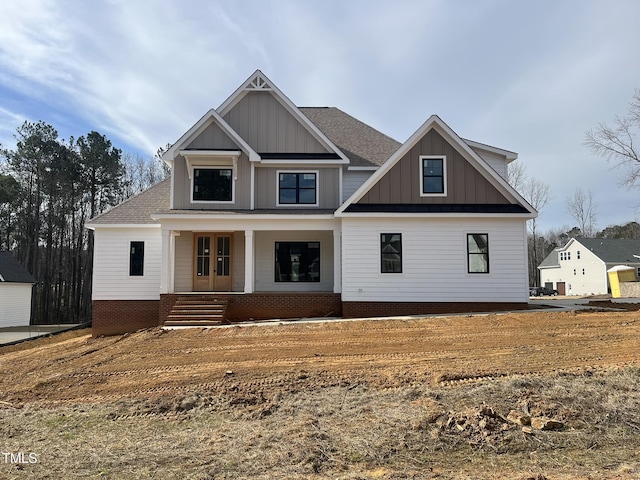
<point x="478" y="253"/>
<point x="212" y="185"/>
<point x="297" y="188"/>
<point x="297" y="262"/>
<point x="433" y="175"/>
<point x="136" y="259"/>
<point x="391" y="252"/>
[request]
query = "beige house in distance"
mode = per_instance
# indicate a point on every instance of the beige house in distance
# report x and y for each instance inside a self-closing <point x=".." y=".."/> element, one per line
<point x="279" y="211"/>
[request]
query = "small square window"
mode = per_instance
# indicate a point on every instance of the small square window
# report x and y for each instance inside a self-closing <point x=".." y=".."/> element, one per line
<point x="212" y="185"/>
<point x="297" y="188"/>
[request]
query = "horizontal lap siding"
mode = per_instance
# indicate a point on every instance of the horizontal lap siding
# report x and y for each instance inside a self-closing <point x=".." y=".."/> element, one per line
<point x="434" y="261"/>
<point x="111" y="280"/>
<point x="15" y="304"/>
<point x="351" y="181"/>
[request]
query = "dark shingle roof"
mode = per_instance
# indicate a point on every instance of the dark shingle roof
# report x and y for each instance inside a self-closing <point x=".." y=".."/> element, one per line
<point x="551" y="261"/>
<point x="12" y="271"/>
<point x="138" y="209"/>
<point x="613" y="250"/>
<point x="364" y="145"/>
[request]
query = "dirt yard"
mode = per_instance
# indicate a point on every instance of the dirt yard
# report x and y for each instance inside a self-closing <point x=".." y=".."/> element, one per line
<point x="527" y="396"/>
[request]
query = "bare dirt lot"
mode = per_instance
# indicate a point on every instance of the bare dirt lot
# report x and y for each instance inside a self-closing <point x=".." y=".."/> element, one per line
<point x="525" y="396"/>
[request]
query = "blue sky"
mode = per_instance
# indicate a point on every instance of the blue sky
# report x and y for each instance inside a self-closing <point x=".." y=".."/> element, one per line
<point x="528" y="76"/>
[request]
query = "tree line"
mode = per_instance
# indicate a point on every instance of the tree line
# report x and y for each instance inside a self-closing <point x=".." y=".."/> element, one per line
<point x="49" y="189"/>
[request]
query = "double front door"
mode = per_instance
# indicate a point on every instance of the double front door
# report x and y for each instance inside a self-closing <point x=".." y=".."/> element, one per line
<point x="212" y="262"/>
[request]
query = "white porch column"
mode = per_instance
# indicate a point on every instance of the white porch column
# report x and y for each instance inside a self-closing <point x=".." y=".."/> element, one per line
<point x="248" y="261"/>
<point x="165" y="262"/>
<point x="171" y="287"/>
<point x="337" y="261"/>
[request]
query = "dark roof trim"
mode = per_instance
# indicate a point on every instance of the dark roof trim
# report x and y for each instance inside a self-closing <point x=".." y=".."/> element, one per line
<point x="435" y="208"/>
<point x="299" y="156"/>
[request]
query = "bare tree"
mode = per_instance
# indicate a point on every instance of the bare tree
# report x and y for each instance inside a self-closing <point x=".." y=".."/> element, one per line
<point x="580" y="206"/>
<point x="516" y="175"/>
<point x="617" y="142"/>
<point x="537" y="194"/>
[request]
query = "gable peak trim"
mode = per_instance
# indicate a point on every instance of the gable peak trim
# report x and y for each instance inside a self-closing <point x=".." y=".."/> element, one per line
<point x="258" y="81"/>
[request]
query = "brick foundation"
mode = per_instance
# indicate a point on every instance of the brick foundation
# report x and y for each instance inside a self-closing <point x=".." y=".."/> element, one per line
<point x="265" y="305"/>
<point x="114" y="317"/>
<point x="390" y="309"/>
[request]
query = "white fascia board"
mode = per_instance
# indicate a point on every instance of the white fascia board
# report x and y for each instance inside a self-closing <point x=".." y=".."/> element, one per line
<point x="263" y="223"/>
<point x="523" y="216"/>
<point x="362" y="169"/>
<point x="94" y="226"/>
<point x="508" y="154"/>
<point x="211" y="116"/>
<point x="236" y="96"/>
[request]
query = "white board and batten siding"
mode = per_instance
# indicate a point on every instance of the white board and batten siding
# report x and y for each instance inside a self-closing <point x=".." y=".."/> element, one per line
<point x="111" y="279"/>
<point x="15" y="304"/>
<point x="434" y="258"/>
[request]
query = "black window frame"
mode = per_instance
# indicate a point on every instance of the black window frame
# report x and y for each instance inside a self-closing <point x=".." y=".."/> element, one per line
<point x="470" y="254"/>
<point x="283" y="267"/>
<point x="423" y="168"/>
<point x="136" y="259"/>
<point x="297" y="189"/>
<point x="385" y="262"/>
<point x="214" y="198"/>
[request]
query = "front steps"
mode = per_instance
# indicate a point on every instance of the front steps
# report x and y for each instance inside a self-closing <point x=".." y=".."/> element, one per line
<point x="197" y="310"/>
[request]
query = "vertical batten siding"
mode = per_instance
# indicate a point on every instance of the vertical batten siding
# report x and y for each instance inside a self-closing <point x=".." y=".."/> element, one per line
<point x="465" y="184"/>
<point x="265" y="261"/>
<point x="351" y="181"/>
<point x="266" y="186"/>
<point x="267" y="126"/>
<point x="434" y="261"/>
<point x="15" y="304"/>
<point x="111" y="279"/>
<point x="182" y="186"/>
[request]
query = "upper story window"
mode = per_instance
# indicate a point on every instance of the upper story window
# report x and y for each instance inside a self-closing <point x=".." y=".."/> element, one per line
<point x="212" y="185"/>
<point x="433" y="175"/>
<point x="477" y="253"/>
<point x="298" y="188"/>
<point x="391" y="252"/>
<point x="136" y="259"/>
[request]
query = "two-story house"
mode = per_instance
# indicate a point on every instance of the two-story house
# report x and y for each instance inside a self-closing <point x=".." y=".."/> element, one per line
<point x="279" y="211"/>
<point x="580" y="267"/>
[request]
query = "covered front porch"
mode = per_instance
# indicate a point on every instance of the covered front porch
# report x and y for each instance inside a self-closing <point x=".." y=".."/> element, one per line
<point x="263" y="266"/>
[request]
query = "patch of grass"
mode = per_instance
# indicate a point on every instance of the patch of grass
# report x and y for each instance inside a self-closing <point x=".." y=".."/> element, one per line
<point x="344" y="432"/>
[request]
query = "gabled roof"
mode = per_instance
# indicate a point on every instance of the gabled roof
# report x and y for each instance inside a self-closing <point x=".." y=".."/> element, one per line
<point x="258" y="81"/>
<point x="137" y="209"/>
<point x="612" y="250"/>
<point x="210" y="117"/>
<point x="434" y="122"/>
<point x="364" y="145"/>
<point x="552" y="260"/>
<point x="12" y="272"/>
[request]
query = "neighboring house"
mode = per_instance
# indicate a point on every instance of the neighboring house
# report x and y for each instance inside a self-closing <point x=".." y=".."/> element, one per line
<point x="580" y="267"/>
<point x="16" y="286"/>
<point x="291" y="212"/>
